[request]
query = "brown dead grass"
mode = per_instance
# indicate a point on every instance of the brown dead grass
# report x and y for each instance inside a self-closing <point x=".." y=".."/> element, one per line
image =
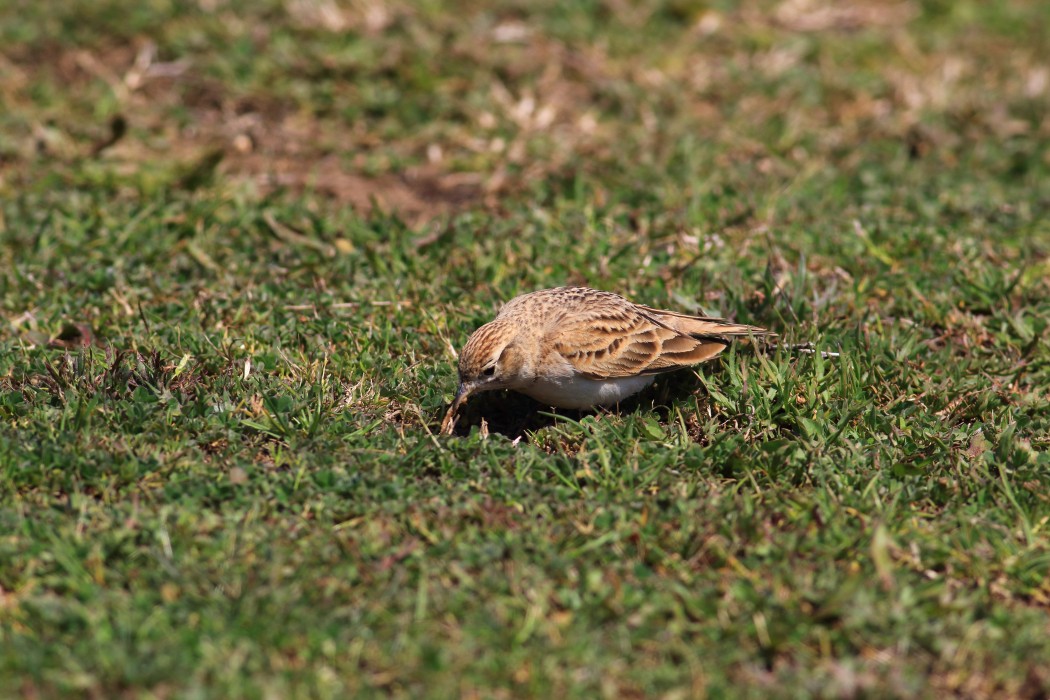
<point x="260" y="141"/>
<point x="416" y="195"/>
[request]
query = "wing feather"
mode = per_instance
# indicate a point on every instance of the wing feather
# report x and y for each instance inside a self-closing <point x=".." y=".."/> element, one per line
<point x="627" y="342"/>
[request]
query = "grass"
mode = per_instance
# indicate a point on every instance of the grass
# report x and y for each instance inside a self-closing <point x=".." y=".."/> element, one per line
<point x="240" y="241"/>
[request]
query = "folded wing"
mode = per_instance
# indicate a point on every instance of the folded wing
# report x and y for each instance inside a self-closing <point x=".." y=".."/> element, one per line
<point x="614" y="341"/>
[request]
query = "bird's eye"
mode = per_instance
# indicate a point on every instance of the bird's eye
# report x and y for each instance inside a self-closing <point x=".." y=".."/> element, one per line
<point x="488" y="372"/>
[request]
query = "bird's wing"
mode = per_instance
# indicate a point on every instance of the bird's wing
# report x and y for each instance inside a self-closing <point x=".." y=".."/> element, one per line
<point x="611" y="340"/>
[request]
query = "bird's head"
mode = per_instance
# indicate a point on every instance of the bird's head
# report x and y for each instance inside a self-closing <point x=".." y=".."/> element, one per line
<point x="490" y="360"/>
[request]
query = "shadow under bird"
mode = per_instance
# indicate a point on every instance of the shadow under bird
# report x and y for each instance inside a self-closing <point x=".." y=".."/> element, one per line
<point x="576" y="347"/>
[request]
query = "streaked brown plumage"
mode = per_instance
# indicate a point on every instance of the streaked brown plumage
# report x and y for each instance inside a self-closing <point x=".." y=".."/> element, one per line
<point x="576" y="347"/>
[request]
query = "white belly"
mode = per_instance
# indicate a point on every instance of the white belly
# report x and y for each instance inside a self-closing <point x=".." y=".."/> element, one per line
<point x="579" y="392"/>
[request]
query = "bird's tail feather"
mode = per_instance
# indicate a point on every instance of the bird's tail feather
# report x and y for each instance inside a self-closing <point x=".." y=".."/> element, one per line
<point x="701" y="327"/>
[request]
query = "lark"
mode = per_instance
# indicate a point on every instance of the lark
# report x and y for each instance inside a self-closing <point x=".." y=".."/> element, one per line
<point x="576" y="347"/>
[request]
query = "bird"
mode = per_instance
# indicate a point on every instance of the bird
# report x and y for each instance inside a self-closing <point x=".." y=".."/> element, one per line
<point x="578" y="348"/>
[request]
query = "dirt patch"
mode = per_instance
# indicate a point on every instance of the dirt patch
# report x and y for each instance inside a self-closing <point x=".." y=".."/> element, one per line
<point x="172" y="113"/>
<point x="416" y="195"/>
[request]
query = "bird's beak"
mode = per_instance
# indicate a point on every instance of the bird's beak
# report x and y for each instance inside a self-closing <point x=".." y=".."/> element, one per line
<point x="462" y="393"/>
<point x="465" y="389"/>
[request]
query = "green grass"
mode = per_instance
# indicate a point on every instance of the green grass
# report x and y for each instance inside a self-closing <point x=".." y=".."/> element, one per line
<point x="228" y="329"/>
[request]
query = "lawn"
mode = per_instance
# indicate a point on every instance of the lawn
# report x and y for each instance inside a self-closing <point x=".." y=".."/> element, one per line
<point x="242" y="241"/>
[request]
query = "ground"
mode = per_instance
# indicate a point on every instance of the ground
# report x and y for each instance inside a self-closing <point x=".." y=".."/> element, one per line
<point x="242" y="242"/>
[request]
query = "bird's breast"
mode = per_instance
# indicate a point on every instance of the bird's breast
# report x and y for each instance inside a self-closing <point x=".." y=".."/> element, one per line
<point x="580" y="392"/>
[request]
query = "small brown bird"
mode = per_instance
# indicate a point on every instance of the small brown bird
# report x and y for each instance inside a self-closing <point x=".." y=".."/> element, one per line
<point x="575" y="347"/>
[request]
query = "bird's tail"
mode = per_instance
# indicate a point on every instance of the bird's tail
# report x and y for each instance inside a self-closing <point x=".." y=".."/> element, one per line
<point x="702" y="327"/>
